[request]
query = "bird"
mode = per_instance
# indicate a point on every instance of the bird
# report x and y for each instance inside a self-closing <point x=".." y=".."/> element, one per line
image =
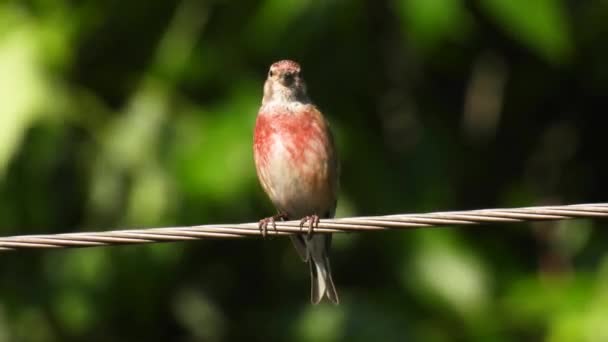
<point x="297" y="165"/>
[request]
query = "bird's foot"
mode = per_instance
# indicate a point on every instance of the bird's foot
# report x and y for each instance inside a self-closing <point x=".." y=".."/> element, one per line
<point x="263" y="224"/>
<point x="313" y="222"/>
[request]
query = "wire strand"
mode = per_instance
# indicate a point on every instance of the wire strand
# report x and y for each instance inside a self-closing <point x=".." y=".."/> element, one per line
<point x="349" y="224"/>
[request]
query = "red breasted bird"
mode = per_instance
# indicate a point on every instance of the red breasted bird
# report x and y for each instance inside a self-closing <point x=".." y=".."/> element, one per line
<point x="297" y="165"/>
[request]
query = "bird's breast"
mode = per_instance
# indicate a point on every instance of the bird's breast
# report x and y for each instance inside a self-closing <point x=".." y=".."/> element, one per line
<point x="295" y="161"/>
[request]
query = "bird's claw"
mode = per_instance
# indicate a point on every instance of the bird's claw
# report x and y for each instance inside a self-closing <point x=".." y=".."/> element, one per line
<point x="263" y="224"/>
<point x="313" y="222"/>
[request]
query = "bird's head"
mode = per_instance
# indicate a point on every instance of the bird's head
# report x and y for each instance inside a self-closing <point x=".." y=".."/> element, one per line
<point x="285" y="83"/>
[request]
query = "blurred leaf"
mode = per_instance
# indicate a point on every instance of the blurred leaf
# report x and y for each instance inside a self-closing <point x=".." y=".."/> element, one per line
<point x="197" y="313"/>
<point x="32" y="325"/>
<point x="4" y="328"/>
<point x="531" y="302"/>
<point x="541" y="25"/>
<point x="221" y="138"/>
<point x="150" y="197"/>
<point x="271" y="21"/>
<point x="430" y="22"/>
<point x="75" y="310"/>
<point x="573" y="235"/>
<point x="22" y="88"/>
<point x="446" y="273"/>
<point x="320" y="323"/>
<point x="129" y="143"/>
<point x="587" y="320"/>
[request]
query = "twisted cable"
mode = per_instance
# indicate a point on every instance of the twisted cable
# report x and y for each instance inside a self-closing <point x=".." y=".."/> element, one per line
<point x="350" y="224"/>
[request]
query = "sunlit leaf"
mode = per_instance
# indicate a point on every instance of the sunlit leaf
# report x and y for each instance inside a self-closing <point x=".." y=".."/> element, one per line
<point x="22" y="89"/>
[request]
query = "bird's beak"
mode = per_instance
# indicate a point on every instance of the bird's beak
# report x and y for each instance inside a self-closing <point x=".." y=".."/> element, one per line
<point x="287" y="79"/>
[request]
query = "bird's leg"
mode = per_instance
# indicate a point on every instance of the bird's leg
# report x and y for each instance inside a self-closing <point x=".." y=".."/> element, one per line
<point x="263" y="224"/>
<point x="313" y="222"/>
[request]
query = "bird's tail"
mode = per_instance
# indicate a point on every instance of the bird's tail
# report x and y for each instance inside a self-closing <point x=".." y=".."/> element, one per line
<point x="320" y="270"/>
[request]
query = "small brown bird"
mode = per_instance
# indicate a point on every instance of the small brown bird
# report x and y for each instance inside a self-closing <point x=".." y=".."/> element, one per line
<point x="297" y="165"/>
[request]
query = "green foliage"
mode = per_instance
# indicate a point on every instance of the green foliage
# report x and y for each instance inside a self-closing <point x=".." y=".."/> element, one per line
<point x="540" y="25"/>
<point x="140" y="113"/>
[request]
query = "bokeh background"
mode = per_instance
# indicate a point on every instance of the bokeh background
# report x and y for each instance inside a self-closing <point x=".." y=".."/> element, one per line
<point x="117" y="114"/>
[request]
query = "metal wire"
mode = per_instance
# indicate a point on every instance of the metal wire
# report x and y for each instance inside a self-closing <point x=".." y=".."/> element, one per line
<point x="369" y="223"/>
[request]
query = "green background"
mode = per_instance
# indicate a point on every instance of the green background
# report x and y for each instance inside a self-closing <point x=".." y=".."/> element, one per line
<point x="117" y="114"/>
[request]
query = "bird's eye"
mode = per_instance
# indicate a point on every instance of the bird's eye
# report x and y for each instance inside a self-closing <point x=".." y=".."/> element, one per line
<point x="270" y="73"/>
